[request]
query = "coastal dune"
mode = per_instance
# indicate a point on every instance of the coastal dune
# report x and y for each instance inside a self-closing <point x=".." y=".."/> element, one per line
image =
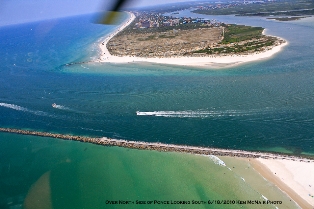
<point x="216" y="61"/>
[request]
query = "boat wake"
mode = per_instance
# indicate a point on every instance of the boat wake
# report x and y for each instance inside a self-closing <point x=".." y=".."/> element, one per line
<point x="23" y="109"/>
<point x="199" y="114"/>
<point x="60" y="107"/>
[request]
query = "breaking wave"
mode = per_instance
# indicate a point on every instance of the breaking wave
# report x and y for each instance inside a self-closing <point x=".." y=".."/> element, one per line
<point x="217" y="160"/>
<point x="264" y="197"/>
<point x="23" y="109"/>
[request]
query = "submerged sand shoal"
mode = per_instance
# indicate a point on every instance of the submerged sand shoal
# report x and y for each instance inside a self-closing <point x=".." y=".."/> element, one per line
<point x="293" y="175"/>
<point x="215" y="61"/>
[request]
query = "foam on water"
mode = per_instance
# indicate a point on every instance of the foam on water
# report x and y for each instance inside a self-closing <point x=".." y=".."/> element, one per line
<point x="201" y="113"/>
<point x="217" y="160"/>
<point x="264" y="197"/>
<point x="13" y="106"/>
<point x="61" y="107"/>
<point x="23" y="109"/>
<point x="84" y="67"/>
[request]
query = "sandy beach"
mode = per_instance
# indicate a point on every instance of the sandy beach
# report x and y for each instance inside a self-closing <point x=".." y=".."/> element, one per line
<point x="206" y="61"/>
<point x="105" y="56"/>
<point x="295" y="178"/>
<point x="291" y="174"/>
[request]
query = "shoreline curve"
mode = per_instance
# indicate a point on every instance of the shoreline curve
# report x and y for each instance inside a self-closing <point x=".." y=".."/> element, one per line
<point x="216" y="61"/>
<point x="286" y="176"/>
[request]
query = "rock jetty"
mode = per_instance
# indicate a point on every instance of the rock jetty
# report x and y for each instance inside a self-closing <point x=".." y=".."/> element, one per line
<point x="161" y="146"/>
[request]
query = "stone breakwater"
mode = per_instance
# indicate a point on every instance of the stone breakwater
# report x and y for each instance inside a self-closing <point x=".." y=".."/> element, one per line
<point x="161" y="147"/>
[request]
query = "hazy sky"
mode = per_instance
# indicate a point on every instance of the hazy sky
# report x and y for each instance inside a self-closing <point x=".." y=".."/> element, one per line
<point x="19" y="11"/>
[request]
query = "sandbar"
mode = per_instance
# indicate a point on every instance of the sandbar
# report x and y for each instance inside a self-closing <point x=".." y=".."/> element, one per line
<point x="215" y="61"/>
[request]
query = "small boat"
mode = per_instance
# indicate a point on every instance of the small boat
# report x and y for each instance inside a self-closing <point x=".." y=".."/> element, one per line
<point x="54" y="105"/>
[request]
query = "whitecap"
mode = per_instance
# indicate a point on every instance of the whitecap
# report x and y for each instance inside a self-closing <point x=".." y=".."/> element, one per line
<point x="217" y="160"/>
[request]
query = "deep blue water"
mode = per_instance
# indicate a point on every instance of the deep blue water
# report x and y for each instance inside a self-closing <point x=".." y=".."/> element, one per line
<point x="264" y="105"/>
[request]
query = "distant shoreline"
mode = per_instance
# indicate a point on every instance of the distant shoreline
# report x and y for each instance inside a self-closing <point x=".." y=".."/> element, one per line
<point x="290" y="18"/>
<point x="291" y="174"/>
<point x="216" y="61"/>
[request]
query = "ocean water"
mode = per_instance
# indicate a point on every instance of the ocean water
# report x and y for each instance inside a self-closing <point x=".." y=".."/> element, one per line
<point x="265" y="105"/>
<point x="257" y="106"/>
<point x="52" y="173"/>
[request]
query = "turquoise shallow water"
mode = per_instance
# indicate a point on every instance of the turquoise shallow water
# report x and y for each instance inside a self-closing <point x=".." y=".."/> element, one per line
<point x="53" y="173"/>
<point x="265" y="105"/>
<point x="262" y="105"/>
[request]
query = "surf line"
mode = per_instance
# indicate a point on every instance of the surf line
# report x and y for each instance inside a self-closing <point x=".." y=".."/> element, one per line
<point x="161" y="146"/>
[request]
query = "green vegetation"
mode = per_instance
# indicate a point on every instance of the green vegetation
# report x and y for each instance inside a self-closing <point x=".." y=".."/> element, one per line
<point x="241" y="39"/>
<point x="286" y="18"/>
<point x="266" y="8"/>
<point x="147" y="38"/>
<point x="237" y="33"/>
<point x="284" y="7"/>
<point x="254" y="46"/>
<point x="165" y="36"/>
<point x="284" y="13"/>
<point x="171" y="7"/>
